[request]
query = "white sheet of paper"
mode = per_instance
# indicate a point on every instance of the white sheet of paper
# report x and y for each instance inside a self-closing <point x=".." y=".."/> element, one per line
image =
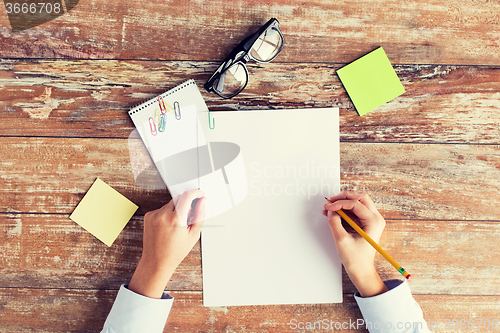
<point x="275" y="247"/>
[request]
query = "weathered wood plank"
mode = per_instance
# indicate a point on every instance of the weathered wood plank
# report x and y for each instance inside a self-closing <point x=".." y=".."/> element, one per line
<point x="443" y="257"/>
<point x="63" y="310"/>
<point x="91" y="98"/>
<point x="426" y="181"/>
<point x="51" y="175"/>
<point x="51" y="251"/>
<point x="54" y="310"/>
<point x="277" y="319"/>
<point x="56" y="174"/>
<point x="419" y="31"/>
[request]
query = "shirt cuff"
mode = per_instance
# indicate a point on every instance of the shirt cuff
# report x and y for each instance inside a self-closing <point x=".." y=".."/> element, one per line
<point x="132" y="312"/>
<point x="393" y="311"/>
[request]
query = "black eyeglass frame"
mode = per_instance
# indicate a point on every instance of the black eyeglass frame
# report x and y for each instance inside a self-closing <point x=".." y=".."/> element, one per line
<point x="241" y="54"/>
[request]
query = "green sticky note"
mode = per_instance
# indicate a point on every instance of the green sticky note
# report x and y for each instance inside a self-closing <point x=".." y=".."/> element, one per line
<point x="370" y="81"/>
<point x="103" y="212"/>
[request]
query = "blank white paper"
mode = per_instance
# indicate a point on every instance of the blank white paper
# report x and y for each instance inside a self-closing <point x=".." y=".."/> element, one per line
<point x="275" y="246"/>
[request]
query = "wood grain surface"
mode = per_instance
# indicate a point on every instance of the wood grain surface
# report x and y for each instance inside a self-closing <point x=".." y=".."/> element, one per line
<point x="430" y="158"/>
<point x="461" y="32"/>
<point x="442" y="104"/>
<point x="89" y="308"/>
<point x="420" y="181"/>
<point x="50" y="251"/>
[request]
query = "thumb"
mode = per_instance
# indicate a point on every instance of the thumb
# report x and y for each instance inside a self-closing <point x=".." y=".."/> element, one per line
<point x="199" y="215"/>
<point x="335" y="223"/>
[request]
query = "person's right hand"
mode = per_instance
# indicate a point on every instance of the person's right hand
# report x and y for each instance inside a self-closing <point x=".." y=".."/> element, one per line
<point x="355" y="253"/>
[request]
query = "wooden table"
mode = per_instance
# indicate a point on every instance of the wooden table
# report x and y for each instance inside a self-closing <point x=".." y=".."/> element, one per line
<point x="430" y="159"/>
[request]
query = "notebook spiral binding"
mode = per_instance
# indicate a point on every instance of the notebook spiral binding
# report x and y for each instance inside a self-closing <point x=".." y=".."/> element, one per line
<point x="176" y="108"/>
<point x="151" y="101"/>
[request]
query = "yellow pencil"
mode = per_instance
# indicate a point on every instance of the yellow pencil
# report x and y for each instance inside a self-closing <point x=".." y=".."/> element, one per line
<point x="372" y="242"/>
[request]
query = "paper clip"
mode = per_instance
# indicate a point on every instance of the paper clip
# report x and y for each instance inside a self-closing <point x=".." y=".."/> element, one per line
<point x="163" y="123"/>
<point x="158" y="116"/>
<point x="210" y="120"/>
<point x="177" y="110"/>
<point x="163" y="109"/>
<point x="152" y="126"/>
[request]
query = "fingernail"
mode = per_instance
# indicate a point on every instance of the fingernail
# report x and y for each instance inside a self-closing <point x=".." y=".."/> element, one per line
<point x="330" y="213"/>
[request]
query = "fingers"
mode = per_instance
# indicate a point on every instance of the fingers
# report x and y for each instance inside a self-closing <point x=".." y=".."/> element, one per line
<point x="349" y="195"/>
<point x="183" y="206"/>
<point x="198" y="216"/>
<point x="175" y="200"/>
<point x="177" y="211"/>
<point x="361" y="197"/>
<point x="362" y="210"/>
<point x="335" y="223"/>
<point x="356" y="207"/>
<point x="368" y="202"/>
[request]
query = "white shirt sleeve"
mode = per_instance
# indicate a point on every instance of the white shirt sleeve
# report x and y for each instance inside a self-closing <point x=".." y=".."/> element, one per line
<point x="132" y="313"/>
<point x="393" y="311"/>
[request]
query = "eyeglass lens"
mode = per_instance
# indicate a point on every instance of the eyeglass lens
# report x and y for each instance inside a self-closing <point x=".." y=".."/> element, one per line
<point x="232" y="80"/>
<point x="266" y="46"/>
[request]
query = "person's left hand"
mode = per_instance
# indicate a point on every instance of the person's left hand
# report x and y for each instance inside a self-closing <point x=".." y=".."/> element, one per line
<point x="166" y="242"/>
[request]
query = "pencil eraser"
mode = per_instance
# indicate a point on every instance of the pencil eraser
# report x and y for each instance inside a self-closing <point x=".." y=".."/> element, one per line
<point x="408" y="277"/>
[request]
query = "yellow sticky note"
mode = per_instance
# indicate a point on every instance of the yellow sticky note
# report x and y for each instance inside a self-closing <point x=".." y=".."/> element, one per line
<point x="103" y="212"/>
<point x="370" y="81"/>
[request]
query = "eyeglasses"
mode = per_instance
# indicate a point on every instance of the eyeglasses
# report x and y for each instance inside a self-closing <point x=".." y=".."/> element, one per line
<point x="232" y="75"/>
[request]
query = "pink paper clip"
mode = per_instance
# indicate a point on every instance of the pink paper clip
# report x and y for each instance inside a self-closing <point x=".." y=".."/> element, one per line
<point x="152" y="126"/>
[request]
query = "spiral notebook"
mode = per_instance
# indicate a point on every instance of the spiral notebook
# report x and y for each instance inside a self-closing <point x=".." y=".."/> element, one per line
<point x="169" y="127"/>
